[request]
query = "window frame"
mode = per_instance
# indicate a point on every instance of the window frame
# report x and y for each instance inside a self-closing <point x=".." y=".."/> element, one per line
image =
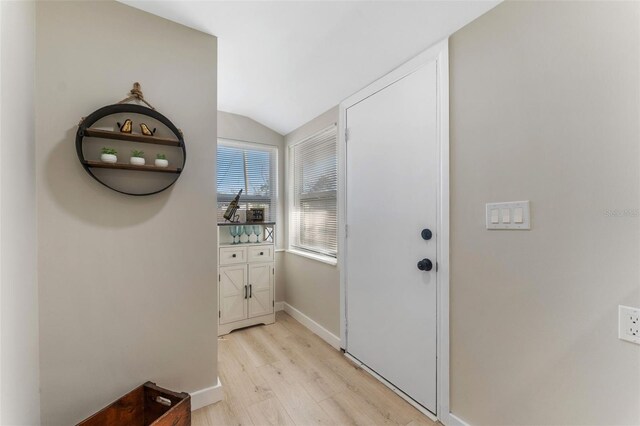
<point x="246" y="198"/>
<point x="294" y="199"/>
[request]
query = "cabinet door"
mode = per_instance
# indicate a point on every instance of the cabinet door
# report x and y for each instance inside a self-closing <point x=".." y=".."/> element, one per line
<point x="261" y="280"/>
<point x="233" y="305"/>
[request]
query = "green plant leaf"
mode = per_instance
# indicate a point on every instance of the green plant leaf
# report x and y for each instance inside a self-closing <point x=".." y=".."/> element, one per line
<point x="107" y="150"/>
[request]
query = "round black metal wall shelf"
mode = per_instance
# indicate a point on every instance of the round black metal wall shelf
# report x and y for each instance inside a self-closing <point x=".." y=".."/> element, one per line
<point x="86" y="131"/>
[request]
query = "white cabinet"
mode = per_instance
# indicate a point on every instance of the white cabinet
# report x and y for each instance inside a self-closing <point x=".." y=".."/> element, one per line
<point x="261" y="277"/>
<point x="233" y="293"/>
<point x="246" y="281"/>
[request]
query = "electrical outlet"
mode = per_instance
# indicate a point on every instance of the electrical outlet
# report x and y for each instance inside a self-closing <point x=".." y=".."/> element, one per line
<point x="629" y="324"/>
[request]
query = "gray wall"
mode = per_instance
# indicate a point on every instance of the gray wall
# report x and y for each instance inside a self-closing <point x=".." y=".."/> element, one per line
<point x="241" y="128"/>
<point x="127" y="285"/>
<point x="313" y="287"/>
<point x="545" y="107"/>
<point x="19" y="397"/>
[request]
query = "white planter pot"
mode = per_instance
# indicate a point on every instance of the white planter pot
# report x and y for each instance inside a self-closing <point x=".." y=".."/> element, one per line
<point x="162" y="163"/>
<point x="108" y="158"/>
<point x="136" y="161"/>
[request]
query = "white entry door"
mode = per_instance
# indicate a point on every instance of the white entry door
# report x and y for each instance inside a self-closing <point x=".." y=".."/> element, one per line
<point x="392" y="171"/>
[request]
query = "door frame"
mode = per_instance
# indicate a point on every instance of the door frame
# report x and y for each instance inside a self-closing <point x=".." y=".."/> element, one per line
<point x="440" y="53"/>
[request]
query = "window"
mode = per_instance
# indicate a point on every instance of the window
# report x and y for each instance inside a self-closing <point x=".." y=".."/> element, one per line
<point x="252" y="168"/>
<point x="313" y="171"/>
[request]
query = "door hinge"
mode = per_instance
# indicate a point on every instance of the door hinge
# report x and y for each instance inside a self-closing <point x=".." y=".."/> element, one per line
<point x="273" y="271"/>
<point x="346" y="134"/>
<point x="273" y="303"/>
<point x="219" y="277"/>
<point x="219" y="314"/>
<point x="346" y="231"/>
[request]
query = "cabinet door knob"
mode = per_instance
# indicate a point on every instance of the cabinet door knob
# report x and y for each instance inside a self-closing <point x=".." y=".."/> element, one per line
<point x="426" y="234"/>
<point x="233" y="255"/>
<point x="425" y="265"/>
<point x="261" y="253"/>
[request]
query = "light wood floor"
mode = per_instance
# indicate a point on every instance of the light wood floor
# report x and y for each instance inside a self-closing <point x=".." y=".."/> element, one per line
<point x="283" y="374"/>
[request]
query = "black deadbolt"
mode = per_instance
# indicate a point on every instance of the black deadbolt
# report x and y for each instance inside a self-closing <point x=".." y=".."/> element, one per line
<point x="426" y="234"/>
<point x="425" y="265"/>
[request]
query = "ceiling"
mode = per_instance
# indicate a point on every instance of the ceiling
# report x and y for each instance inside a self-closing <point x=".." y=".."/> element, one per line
<point x="282" y="63"/>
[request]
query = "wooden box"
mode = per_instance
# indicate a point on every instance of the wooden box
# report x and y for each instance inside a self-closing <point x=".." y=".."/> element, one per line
<point x="144" y="406"/>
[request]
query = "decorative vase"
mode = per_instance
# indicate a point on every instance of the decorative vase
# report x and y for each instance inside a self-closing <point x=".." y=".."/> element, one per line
<point x="137" y="161"/>
<point x="108" y="158"/>
<point x="162" y="163"/>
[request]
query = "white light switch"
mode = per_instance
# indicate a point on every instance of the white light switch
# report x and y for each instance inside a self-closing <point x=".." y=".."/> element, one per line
<point x="513" y="215"/>
<point x="506" y="216"/>
<point x="518" y="215"/>
<point x="495" y="216"/>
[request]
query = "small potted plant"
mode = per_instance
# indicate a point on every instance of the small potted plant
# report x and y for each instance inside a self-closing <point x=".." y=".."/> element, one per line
<point x="137" y="158"/>
<point x="108" y="155"/>
<point x="161" y="160"/>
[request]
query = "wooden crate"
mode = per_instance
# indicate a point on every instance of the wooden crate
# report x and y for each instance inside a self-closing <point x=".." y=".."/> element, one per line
<point x="144" y="406"/>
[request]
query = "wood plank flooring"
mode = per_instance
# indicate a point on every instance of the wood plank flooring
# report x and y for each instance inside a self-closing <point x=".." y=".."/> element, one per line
<point x="283" y="374"/>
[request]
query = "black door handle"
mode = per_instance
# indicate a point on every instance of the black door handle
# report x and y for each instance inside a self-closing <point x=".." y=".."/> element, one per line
<point x="250" y="291"/>
<point x="245" y="291"/>
<point x="425" y="265"/>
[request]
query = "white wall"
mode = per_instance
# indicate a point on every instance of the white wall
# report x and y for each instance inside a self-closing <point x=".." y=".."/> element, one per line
<point x="19" y="394"/>
<point x="545" y="106"/>
<point x="127" y="285"/>
<point x="313" y="287"/>
<point x="241" y="128"/>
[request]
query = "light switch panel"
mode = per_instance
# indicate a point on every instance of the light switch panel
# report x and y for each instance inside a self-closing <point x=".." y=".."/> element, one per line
<point x="514" y="215"/>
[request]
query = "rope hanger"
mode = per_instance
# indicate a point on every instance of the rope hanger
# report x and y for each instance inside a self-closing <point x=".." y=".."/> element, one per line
<point x="136" y="94"/>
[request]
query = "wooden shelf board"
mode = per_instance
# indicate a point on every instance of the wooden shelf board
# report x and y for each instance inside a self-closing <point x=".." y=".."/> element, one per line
<point x="122" y="166"/>
<point x="133" y="137"/>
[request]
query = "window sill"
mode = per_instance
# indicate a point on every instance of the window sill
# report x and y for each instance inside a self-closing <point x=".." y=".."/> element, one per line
<point x="318" y="257"/>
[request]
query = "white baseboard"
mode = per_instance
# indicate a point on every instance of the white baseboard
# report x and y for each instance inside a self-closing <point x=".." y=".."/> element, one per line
<point x="322" y="332"/>
<point x="453" y="420"/>
<point x="206" y="396"/>
<point x="279" y="306"/>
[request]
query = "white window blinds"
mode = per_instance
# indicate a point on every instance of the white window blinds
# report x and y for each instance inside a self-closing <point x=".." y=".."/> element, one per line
<point x="313" y="187"/>
<point x="252" y="168"/>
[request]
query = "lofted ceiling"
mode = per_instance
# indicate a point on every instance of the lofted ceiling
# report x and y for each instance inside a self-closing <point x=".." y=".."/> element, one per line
<point x="283" y="63"/>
